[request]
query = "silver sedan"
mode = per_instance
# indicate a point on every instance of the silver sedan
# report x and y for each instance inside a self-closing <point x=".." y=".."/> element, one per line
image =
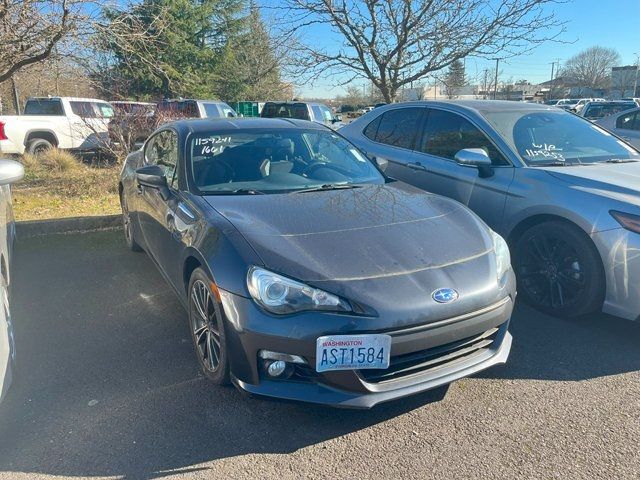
<point x="564" y="192"/>
<point x="624" y="124"/>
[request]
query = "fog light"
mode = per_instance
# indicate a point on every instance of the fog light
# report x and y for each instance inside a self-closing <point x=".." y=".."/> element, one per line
<point x="268" y="355"/>
<point x="277" y="368"/>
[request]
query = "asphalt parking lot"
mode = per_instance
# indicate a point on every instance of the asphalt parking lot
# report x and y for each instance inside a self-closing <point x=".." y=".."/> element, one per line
<point x="108" y="386"/>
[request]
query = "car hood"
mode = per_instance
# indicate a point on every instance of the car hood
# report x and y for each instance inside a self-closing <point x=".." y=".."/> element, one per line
<point x="618" y="181"/>
<point x="387" y="247"/>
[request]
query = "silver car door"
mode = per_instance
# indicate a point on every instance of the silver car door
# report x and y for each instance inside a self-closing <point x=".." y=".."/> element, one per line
<point x="627" y="127"/>
<point x="444" y="134"/>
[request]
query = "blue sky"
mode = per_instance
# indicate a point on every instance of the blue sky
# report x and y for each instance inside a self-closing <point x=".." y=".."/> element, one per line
<point x="612" y="23"/>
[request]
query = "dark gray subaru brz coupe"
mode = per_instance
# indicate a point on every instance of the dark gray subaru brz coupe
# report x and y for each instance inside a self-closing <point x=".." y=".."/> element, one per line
<point x="306" y="273"/>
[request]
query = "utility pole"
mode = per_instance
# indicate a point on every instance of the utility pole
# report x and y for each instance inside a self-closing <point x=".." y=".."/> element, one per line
<point x="635" y="85"/>
<point x="495" y="87"/>
<point x="553" y="64"/>
<point x="484" y="85"/>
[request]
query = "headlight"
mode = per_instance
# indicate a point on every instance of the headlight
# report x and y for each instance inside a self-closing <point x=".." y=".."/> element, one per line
<point x="627" y="220"/>
<point x="503" y="258"/>
<point x="279" y="294"/>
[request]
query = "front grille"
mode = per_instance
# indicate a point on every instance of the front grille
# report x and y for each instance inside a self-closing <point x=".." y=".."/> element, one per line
<point x="432" y="358"/>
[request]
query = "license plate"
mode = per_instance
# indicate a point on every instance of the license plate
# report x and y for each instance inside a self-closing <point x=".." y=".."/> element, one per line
<point x="349" y="352"/>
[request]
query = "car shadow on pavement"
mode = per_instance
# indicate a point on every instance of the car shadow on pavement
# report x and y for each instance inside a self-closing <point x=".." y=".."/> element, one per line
<point x="107" y="382"/>
<point x="549" y="348"/>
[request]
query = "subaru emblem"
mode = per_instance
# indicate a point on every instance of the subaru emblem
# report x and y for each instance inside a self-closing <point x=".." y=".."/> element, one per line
<point x="445" y="295"/>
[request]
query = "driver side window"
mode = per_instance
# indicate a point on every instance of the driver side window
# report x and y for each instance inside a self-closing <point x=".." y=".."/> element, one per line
<point x="447" y="133"/>
<point x="162" y="150"/>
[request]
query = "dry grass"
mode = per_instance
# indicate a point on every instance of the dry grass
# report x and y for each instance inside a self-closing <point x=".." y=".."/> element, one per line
<point x="57" y="185"/>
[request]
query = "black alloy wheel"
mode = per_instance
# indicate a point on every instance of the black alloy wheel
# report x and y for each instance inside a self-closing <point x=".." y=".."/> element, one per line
<point x="207" y="328"/>
<point x="559" y="270"/>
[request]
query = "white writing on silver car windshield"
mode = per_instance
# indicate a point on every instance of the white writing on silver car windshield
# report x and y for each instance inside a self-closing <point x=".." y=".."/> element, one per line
<point x="545" y="151"/>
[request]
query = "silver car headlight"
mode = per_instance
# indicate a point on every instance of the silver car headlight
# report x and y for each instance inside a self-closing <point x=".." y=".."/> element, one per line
<point x="503" y="257"/>
<point x="281" y="295"/>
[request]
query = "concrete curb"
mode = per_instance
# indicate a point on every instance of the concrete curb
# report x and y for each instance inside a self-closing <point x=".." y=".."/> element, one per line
<point x="35" y="228"/>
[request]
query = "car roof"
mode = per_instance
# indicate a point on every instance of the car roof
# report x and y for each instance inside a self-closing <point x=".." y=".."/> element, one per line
<point x="129" y="102"/>
<point x="71" y="99"/>
<point x="615" y="102"/>
<point x="244" y="123"/>
<point x="478" y="106"/>
<point x="178" y="100"/>
<point x="294" y="102"/>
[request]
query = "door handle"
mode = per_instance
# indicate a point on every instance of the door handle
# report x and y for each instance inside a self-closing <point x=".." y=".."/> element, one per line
<point x="416" y="166"/>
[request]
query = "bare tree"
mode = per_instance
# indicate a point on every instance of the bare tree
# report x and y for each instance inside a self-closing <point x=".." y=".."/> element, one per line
<point x="395" y="42"/>
<point x="591" y="68"/>
<point x="31" y="29"/>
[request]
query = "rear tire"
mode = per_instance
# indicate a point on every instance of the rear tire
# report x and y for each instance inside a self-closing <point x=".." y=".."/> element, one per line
<point x="38" y="146"/>
<point x="206" y="324"/>
<point x="559" y="270"/>
<point x="128" y="228"/>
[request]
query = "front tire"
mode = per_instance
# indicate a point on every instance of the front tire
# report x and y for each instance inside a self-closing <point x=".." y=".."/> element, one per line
<point x="559" y="270"/>
<point x="128" y="227"/>
<point x="207" y="329"/>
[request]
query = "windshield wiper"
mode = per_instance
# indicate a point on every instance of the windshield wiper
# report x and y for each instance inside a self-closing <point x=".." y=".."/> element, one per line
<point x="619" y="160"/>
<point x="247" y="191"/>
<point x="328" y="186"/>
<point x="237" y="191"/>
<point x="555" y="164"/>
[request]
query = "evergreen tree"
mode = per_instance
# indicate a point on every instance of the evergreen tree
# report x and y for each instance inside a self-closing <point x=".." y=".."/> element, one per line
<point x="455" y="79"/>
<point x="169" y="48"/>
<point x="250" y="67"/>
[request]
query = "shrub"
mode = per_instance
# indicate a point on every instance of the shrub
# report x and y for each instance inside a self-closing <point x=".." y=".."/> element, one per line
<point x="55" y="159"/>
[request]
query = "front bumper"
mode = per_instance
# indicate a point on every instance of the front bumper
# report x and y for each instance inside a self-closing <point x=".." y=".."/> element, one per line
<point x="620" y="253"/>
<point x="422" y="356"/>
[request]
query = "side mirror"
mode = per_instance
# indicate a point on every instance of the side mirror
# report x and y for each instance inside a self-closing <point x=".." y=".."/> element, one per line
<point x="153" y="176"/>
<point x="475" y="157"/>
<point x="382" y="163"/>
<point x="336" y="119"/>
<point x="10" y="171"/>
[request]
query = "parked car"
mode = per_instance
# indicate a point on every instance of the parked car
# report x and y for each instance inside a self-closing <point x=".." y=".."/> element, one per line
<point x="132" y="122"/>
<point x="10" y="172"/>
<point x="137" y="128"/>
<point x="315" y="112"/>
<point x="634" y="99"/>
<point x="562" y="191"/>
<point x="128" y="107"/>
<point x="306" y="273"/>
<point x="187" y="108"/>
<point x="576" y="104"/>
<point x="79" y="124"/>
<point x="567" y="103"/>
<point x="625" y="124"/>
<point x="596" y="110"/>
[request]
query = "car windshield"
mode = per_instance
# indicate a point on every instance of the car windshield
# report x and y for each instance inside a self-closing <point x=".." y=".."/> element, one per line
<point x="253" y="161"/>
<point x="558" y="137"/>
<point x="598" y="111"/>
<point x="286" y="110"/>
